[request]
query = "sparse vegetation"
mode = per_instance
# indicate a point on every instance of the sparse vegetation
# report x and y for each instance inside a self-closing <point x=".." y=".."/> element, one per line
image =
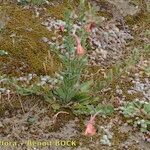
<point x="35" y="2"/>
<point x="138" y="114"/>
<point x="58" y="71"/>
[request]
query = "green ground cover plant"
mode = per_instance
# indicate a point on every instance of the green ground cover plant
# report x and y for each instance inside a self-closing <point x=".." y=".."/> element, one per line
<point x="137" y="113"/>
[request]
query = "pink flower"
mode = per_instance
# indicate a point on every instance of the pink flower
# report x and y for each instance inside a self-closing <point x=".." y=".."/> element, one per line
<point x="80" y="50"/>
<point x="90" y="129"/>
<point x="62" y="28"/>
<point x="89" y="26"/>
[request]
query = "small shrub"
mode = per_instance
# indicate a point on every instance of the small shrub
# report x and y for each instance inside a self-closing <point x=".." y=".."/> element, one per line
<point x="88" y="109"/>
<point x="138" y="113"/>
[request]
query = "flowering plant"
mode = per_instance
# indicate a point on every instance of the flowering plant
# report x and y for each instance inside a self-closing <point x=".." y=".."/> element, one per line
<point x="74" y="61"/>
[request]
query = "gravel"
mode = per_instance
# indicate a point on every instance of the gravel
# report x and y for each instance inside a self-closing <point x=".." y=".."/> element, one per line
<point x="107" y="42"/>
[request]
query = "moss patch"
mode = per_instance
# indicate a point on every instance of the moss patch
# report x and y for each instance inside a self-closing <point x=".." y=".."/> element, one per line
<point x="59" y="9"/>
<point x="22" y="39"/>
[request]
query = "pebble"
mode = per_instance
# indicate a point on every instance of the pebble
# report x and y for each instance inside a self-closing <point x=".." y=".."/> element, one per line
<point x="107" y="42"/>
<point x="2" y="90"/>
<point x="1" y="125"/>
<point x="44" y="39"/>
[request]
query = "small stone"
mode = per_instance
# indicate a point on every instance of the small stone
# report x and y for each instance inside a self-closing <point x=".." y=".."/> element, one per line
<point x="44" y="39"/>
<point x="47" y="2"/>
<point x="97" y="51"/>
<point x="104" y="53"/>
<point x="49" y="28"/>
<point x="116" y="29"/>
<point x="94" y="53"/>
<point x="105" y="137"/>
<point x="1" y="125"/>
<point x="54" y="38"/>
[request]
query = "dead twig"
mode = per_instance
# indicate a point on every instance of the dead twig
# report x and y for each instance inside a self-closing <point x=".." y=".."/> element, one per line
<point x="56" y="115"/>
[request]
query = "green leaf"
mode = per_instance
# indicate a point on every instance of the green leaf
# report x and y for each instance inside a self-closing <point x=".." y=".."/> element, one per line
<point x="60" y="93"/>
<point x="2" y="53"/>
<point x="80" y="97"/>
<point x="147" y="122"/>
<point x="105" y="109"/>
<point x="31" y="120"/>
<point x="147" y="108"/>
<point x="89" y="109"/>
<point x="84" y="87"/>
<point x="147" y="70"/>
<point x="129" y="109"/>
<point x="28" y="91"/>
<point x="55" y="106"/>
<point x="48" y="96"/>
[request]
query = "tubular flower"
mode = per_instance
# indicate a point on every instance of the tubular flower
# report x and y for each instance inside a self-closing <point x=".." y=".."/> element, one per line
<point x="80" y="50"/>
<point x="62" y="28"/>
<point x="90" y="129"/>
<point x="89" y="26"/>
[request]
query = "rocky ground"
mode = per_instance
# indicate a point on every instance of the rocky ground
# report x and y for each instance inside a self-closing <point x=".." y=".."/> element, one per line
<point x="27" y="32"/>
